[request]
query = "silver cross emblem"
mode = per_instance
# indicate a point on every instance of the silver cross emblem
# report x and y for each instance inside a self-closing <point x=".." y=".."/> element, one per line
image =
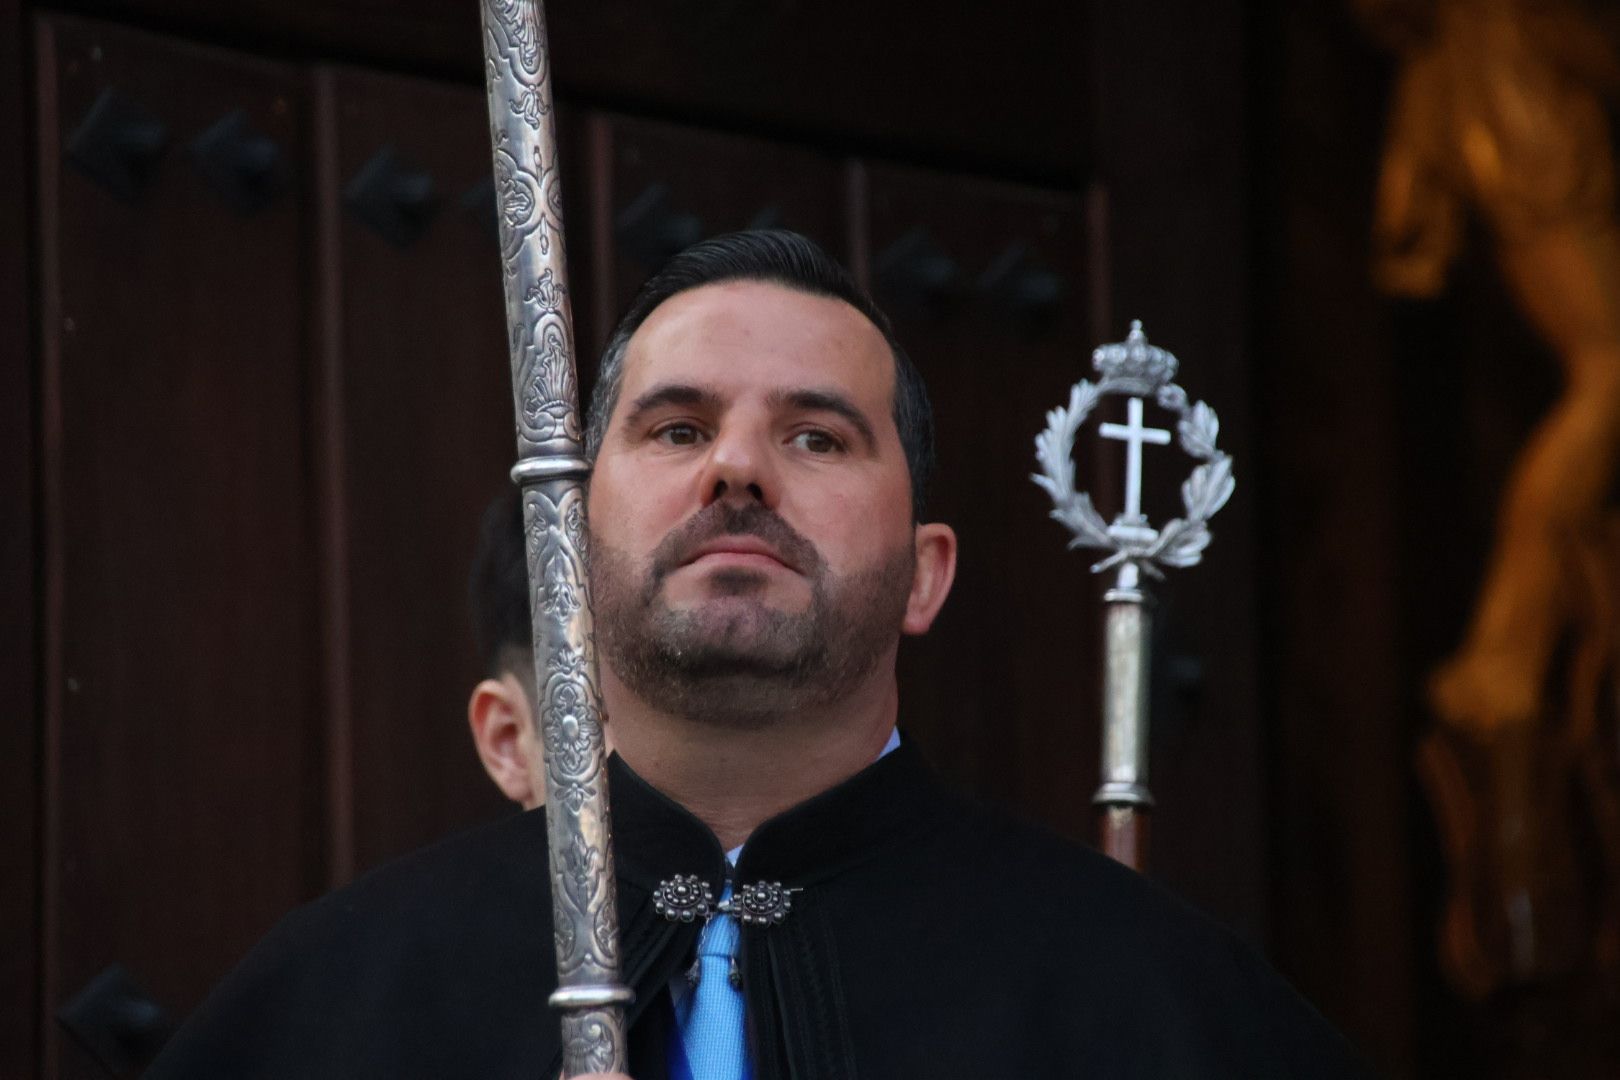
<point x="1137" y="370"/>
<point x="1133" y="435"/>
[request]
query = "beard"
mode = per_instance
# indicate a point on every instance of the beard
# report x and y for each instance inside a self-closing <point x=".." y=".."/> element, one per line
<point x="731" y="659"/>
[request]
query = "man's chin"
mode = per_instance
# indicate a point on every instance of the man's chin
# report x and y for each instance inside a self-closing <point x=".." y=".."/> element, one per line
<point x="717" y="613"/>
<point x="741" y="647"/>
<point x="730" y="665"/>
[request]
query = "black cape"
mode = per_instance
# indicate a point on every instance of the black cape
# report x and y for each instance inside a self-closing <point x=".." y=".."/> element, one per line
<point x="931" y="939"/>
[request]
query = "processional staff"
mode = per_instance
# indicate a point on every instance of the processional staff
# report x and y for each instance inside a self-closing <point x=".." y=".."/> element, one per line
<point x="552" y="470"/>
<point x="1140" y="372"/>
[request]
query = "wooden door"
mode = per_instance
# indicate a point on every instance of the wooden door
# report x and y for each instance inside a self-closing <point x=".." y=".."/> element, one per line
<point x="184" y="719"/>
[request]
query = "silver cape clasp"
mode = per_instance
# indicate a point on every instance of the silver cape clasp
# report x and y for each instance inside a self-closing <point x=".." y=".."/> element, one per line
<point x="684" y="898"/>
<point x="688" y="898"/>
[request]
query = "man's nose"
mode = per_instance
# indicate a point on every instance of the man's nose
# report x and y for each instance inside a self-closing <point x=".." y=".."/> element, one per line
<point x="740" y="466"/>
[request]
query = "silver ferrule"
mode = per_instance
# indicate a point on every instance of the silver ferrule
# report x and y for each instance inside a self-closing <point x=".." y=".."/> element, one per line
<point x="562" y="467"/>
<point x="590" y="997"/>
<point x="1125" y="701"/>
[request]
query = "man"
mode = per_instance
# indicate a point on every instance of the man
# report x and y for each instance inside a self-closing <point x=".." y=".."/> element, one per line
<point x="758" y="548"/>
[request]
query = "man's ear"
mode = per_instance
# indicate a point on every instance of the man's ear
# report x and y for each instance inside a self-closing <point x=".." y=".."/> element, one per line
<point x="503" y="730"/>
<point x="931" y="581"/>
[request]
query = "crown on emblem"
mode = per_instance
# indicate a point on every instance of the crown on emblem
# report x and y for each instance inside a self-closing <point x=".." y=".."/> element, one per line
<point x="1133" y="366"/>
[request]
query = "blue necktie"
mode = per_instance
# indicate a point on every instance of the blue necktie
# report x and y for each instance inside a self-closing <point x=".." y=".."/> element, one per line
<point x="709" y="1020"/>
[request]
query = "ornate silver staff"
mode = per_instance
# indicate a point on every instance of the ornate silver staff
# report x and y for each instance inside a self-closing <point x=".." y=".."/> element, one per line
<point x="552" y="471"/>
<point x="1138" y="371"/>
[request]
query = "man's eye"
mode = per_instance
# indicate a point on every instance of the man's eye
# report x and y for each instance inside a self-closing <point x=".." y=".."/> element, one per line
<point x="817" y="442"/>
<point x="678" y="434"/>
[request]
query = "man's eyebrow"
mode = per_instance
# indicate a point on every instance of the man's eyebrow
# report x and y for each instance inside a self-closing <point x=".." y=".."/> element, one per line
<point x="670" y="394"/>
<point x="814" y="400"/>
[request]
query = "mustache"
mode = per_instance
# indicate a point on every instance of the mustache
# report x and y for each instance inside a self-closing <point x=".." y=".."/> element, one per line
<point x="729" y="519"/>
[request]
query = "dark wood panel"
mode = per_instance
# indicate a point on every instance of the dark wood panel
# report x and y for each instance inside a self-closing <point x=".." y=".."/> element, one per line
<point x="1011" y="90"/>
<point x="671" y="186"/>
<point x="183" y="794"/>
<point x="19" y="627"/>
<point x="1002" y="694"/>
<point x="425" y="440"/>
<point x="425" y="434"/>
<point x="1007" y="90"/>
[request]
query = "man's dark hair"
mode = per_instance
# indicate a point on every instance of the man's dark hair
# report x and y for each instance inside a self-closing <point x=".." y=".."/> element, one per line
<point x="498" y="591"/>
<point x="783" y="258"/>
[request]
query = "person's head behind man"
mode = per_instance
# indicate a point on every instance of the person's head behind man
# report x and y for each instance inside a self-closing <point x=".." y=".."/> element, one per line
<point x="761" y="449"/>
<point x="499" y="710"/>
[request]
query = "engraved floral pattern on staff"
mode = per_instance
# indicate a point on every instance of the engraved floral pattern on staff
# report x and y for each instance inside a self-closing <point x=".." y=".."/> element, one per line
<point x="552" y="471"/>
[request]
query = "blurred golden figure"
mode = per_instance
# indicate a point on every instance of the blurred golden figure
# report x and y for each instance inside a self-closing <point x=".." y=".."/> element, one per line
<point x="1499" y="111"/>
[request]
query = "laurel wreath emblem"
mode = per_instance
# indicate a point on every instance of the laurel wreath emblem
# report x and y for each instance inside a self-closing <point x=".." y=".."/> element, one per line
<point x="1181" y="542"/>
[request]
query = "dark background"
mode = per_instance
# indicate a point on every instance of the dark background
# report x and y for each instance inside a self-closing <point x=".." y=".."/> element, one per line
<point x="247" y="427"/>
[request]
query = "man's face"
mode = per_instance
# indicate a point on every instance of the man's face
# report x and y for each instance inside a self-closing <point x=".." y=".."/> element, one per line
<point x="750" y="509"/>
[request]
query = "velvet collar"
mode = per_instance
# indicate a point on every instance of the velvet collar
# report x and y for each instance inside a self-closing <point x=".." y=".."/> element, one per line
<point x="887" y="803"/>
